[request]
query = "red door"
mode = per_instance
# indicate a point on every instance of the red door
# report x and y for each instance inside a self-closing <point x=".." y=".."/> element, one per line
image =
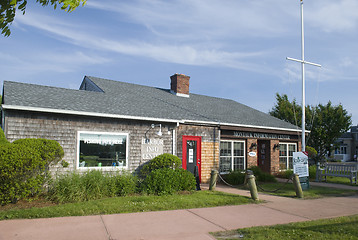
<point x="192" y="154"/>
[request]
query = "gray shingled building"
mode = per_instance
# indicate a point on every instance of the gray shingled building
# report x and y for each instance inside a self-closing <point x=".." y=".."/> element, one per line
<point x="113" y="125"/>
<point x="347" y="146"/>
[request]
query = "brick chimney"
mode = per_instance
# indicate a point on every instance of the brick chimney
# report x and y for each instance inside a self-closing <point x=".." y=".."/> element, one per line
<point x="180" y="85"/>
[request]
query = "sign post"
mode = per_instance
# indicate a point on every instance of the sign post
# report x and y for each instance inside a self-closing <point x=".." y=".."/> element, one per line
<point x="300" y="167"/>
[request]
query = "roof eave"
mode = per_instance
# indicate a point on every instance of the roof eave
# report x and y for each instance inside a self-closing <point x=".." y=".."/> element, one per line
<point x="118" y="116"/>
<point x="83" y="113"/>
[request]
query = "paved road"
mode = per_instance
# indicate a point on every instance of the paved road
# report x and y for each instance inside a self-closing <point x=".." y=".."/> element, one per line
<point x="179" y="224"/>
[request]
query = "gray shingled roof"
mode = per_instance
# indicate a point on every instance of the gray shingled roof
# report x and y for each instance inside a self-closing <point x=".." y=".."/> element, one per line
<point x="126" y="99"/>
<point x="347" y="135"/>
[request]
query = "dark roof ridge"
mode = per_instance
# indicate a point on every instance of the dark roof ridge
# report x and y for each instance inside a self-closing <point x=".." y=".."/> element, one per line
<point x="47" y="86"/>
<point x="38" y="85"/>
<point x="159" y="88"/>
<point x="116" y="81"/>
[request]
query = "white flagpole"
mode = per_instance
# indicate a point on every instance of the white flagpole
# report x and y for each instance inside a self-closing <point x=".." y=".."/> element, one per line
<point x="303" y="62"/>
<point x="303" y="82"/>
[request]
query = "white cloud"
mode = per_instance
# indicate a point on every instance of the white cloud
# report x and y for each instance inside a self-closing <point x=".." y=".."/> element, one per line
<point x="200" y="33"/>
<point x="33" y="63"/>
<point x="186" y="53"/>
<point x="333" y="15"/>
<point x="346" y="62"/>
<point x="212" y="19"/>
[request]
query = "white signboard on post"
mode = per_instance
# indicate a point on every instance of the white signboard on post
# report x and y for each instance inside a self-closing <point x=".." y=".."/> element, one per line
<point x="300" y="164"/>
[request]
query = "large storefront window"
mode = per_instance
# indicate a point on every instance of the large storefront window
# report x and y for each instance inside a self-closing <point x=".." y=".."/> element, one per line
<point x="102" y="149"/>
<point x="232" y="156"/>
<point x="286" y="155"/>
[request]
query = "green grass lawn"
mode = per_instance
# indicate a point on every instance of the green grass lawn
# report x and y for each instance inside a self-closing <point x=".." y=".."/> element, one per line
<point x="313" y="192"/>
<point x="128" y="204"/>
<point x="331" y="229"/>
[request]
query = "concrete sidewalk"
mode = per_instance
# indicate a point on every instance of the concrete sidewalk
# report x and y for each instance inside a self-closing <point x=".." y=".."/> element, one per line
<point x="180" y="224"/>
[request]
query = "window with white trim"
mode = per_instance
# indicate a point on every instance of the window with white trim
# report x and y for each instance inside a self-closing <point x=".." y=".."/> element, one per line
<point x="97" y="149"/>
<point x="232" y="156"/>
<point x="286" y="155"/>
<point x="341" y="150"/>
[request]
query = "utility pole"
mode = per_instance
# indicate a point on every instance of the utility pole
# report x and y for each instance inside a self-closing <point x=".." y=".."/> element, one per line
<point x="303" y="62"/>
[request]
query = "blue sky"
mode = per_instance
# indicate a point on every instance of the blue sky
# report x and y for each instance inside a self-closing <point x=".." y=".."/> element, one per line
<point x="230" y="49"/>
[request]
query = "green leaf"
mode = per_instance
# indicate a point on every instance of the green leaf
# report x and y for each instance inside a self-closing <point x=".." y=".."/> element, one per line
<point x="13" y="2"/>
<point x="23" y="6"/>
<point x="8" y="10"/>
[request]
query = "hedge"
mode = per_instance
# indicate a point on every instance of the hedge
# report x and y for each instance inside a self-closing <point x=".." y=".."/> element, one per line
<point x="3" y="139"/>
<point x="168" y="181"/>
<point x="23" y="167"/>
<point x="50" y="150"/>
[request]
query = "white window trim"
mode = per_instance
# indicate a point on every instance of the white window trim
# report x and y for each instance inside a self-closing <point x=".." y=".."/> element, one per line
<point x="342" y="150"/>
<point x="101" y="168"/>
<point x="232" y="153"/>
<point x="288" y="156"/>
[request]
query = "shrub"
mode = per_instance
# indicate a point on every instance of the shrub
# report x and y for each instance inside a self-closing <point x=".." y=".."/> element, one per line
<point x="186" y="180"/>
<point x="76" y="187"/>
<point x="3" y="139"/>
<point x="285" y="174"/>
<point x="312" y="171"/>
<point x="24" y="166"/>
<point x="165" y="160"/>
<point x="95" y="185"/>
<point x="22" y="173"/>
<point x="64" y="164"/>
<point x="235" y="178"/>
<point x="50" y="150"/>
<point x="262" y="176"/>
<point x="67" y="188"/>
<point x="168" y="181"/>
<point x="125" y="184"/>
<point x="312" y="154"/>
<point x="288" y="173"/>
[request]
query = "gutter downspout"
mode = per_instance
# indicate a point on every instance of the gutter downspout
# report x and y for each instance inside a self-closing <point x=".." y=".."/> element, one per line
<point x="174" y="140"/>
<point x="219" y="136"/>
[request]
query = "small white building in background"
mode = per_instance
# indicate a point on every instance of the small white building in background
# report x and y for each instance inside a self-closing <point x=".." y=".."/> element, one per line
<point x="347" y="150"/>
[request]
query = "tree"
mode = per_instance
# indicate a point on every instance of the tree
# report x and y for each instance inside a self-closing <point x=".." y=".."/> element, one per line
<point x="326" y="122"/>
<point x="286" y="110"/>
<point x="329" y="124"/>
<point x="8" y="10"/>
<point x="312" y="153"/>
<point x="291" y="111"/>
